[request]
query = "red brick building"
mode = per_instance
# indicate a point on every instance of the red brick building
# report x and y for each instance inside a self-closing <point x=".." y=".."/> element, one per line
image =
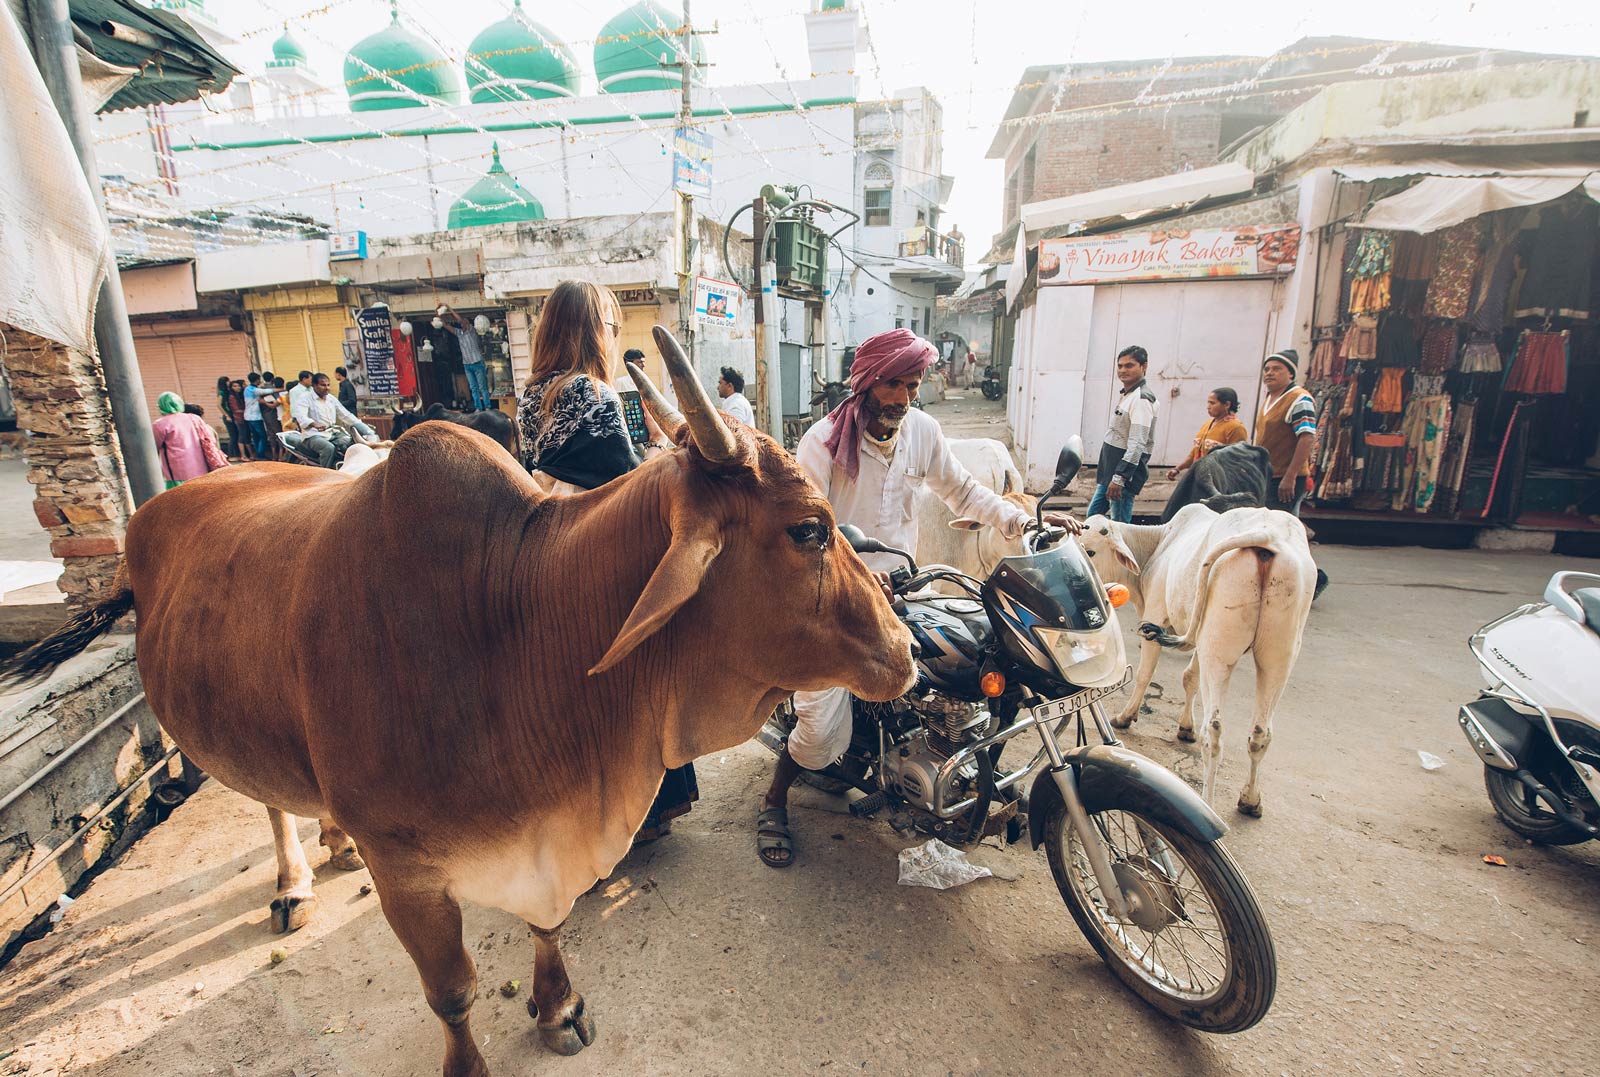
<point x="1072" y="128"/>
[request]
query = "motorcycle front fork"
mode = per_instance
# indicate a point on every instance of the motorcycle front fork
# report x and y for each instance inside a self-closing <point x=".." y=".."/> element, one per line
<point x="1095" y="842"/>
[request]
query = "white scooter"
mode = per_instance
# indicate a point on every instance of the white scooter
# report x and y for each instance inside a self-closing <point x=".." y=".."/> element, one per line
<point x="1537" y="724"/>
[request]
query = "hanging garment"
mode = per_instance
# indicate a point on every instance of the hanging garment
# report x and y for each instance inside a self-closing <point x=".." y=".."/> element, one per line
<point x="1481" y="357"/>
<point x="1427" y="384"/>
<point x="1439" y="349"/>
<point x="1397" y="342"/>
<point x="1415" y="257"/>
<point x="1333" y="440"/>
<point x="1561" y="264"/>
<point x="1360" y="341"/>
<point x="1458" y="451"/>
<point x="1370" y="272"/>
<point x="1389" y="396"/>
<point x="1489" y="298"/>
<point x="1327" y="364"/>
<point x="1426" y="427"/>
<point x="1460" y="252"/>
<point x="1540" y="365"/>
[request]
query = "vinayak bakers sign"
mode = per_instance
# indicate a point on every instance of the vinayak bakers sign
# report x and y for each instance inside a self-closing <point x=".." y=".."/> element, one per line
<point x="1169" y="255"/>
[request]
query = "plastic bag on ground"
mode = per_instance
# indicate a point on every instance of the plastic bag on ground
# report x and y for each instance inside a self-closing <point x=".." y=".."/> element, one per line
<point x="936" y="865"/>
<point x="1430" y="761"/>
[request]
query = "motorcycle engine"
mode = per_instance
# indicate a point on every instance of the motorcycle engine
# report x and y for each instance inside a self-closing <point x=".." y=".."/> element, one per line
<point x="946" y="726"/>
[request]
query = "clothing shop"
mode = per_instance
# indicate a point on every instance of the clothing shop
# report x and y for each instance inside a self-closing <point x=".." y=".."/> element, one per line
<point x="1455" y="355"/>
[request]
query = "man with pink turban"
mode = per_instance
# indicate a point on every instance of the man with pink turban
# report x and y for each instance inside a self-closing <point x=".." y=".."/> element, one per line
<point x="869" y="457"/>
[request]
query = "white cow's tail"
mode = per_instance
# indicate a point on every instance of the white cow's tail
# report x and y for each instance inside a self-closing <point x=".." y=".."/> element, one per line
<point x="1265" y="546"/>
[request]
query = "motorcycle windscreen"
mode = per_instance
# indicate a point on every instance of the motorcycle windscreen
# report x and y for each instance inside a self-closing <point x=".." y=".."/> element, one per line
<point x="1051" y="612"/>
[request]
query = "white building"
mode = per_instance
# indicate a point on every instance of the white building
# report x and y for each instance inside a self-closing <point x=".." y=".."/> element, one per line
<point x="398" y="147"/>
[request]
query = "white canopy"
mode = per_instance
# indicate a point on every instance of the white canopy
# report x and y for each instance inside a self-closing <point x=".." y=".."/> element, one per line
<point x="1133" y="199"/>
<point x="1440" y="201"/>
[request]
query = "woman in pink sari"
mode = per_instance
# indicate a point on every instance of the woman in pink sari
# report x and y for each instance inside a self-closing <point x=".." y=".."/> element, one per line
<point x="186" y="443"/>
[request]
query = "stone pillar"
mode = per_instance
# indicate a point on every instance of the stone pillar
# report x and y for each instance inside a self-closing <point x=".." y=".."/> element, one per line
<point x="74" y="463"/>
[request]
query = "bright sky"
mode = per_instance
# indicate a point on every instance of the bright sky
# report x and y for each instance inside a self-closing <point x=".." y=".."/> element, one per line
<point x="969" y="53"/>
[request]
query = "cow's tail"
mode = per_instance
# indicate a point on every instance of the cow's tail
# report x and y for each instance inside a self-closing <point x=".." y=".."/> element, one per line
<point x="82" y="629"/>
<point x="1261" y="541"/>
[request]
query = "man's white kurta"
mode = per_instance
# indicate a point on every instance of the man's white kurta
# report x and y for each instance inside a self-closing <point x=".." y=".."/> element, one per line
<point x="879" y="502"/>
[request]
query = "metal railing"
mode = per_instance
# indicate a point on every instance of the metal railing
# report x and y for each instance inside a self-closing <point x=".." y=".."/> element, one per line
<point x="931" y="244"/>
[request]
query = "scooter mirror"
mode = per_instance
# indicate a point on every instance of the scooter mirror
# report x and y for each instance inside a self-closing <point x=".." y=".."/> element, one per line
<point x="1069" y="462"/>
<point x="859" y="542"/>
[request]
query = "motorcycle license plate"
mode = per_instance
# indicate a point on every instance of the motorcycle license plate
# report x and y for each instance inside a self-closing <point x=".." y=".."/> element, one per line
<point x="1052" y="709"/>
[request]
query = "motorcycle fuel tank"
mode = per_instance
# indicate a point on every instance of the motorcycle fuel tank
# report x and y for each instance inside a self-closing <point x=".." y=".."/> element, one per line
<point x="950" y="634"/>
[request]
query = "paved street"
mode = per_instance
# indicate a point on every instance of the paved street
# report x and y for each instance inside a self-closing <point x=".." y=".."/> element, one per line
<point x="1400" y="950"/>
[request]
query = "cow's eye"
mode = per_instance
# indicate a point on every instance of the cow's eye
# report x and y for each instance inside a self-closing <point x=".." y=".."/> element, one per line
<point x="1089" y="552"/>
<point x="813" y="534"/>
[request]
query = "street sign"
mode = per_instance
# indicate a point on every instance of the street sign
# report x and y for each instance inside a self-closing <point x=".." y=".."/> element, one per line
<point x="343" y="246"/>
<point x="377" y="351"/>
<point x="691" y="162"/>
<point x="716" y="302"/>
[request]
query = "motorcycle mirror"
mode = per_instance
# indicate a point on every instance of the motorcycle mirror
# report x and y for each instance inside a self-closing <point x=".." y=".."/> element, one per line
<point x="1069" y="462"/>
<point x="858" y="540"/>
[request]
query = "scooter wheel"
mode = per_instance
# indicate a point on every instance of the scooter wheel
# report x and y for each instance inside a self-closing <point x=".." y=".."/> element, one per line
<point x="1520" y="809"/>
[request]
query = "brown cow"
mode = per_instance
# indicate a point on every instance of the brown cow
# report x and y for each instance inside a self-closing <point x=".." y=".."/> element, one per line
<point x="562" y="653"/>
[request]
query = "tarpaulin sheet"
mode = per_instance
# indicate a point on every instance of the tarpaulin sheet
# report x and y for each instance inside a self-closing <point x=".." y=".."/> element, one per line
<point x="51" y="228"/>
<point x="1438" y="202"/>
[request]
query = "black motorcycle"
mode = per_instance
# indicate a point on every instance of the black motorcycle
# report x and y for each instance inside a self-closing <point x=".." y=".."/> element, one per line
<point x="990" y="385"/>
<point x="1135" y="851"/>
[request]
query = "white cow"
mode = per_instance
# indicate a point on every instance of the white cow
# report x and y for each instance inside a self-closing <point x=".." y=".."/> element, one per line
<point x="1219" y="585"/>
<point x="971" y="547"/>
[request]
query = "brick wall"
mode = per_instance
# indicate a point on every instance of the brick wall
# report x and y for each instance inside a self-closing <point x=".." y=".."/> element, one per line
<point x="74" y="464"/>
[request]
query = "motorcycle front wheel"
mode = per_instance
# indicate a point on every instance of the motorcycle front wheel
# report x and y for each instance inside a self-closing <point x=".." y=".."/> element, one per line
<point x="1197" y="947"/>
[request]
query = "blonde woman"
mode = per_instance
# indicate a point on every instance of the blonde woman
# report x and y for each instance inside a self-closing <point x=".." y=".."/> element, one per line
<point x="575" y="438"/>
<point x="569" y="415"/>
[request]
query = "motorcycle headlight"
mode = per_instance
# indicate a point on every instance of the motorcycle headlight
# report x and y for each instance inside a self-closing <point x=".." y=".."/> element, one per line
<point x="1086" y="659"/>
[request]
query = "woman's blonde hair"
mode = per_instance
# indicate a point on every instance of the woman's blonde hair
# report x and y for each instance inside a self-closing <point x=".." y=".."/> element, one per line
<point x="574" y="337"/>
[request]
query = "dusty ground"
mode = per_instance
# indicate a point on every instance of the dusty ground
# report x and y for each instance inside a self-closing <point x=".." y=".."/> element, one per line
<point x="1400" y="950"/>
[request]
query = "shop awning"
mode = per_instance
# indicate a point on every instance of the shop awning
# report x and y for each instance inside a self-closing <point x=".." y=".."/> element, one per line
<point x="1134" y="199"/>
<point x="1440" y="201"/>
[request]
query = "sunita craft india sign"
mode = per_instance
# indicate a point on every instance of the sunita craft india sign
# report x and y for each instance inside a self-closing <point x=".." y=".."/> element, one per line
<point x="1170" y="255"/>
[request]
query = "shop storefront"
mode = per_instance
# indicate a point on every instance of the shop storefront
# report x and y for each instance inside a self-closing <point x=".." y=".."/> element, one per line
<point x="1455" y="352"/>
<point x="184" y="343"/>
<point x="301" y="328"/>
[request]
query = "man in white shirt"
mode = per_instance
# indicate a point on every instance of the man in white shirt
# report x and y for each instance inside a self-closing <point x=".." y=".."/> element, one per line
<point x="868" y="458"/>
<point x="325" y="423"/>
<point x="300" y="391"/>
<point x="730" y="387"/>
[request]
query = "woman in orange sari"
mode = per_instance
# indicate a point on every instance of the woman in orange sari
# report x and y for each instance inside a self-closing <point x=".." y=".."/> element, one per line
<point x="1221" y="428"/>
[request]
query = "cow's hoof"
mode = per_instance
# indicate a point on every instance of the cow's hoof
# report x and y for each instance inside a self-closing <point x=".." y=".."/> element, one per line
<point x="1122" y="721"/>
<point x="573" y="1034"/>
<point x="292" y="913"/>
<point x="347" y="860"/>
<point x="1186" y="735"/>
<point x="1252" y="810"/>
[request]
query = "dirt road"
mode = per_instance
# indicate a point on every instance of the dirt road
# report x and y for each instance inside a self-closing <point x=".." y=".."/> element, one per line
<point x="1400" y="950"/>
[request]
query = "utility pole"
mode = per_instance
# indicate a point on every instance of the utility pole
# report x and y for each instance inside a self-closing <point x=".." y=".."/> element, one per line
<point x="56" y="56"/>
<point x="758" y="229"/>
<point x="686" y="225"/>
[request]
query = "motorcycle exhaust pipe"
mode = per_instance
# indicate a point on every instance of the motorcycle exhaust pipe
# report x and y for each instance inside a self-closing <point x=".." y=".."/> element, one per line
<point x="771" y="739"/>
<point x="1556" y="805"/>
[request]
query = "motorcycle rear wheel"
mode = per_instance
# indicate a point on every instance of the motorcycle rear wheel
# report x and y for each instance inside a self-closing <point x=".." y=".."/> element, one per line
<point x="1522" y="811"/>
<point x="1225" y="980"/>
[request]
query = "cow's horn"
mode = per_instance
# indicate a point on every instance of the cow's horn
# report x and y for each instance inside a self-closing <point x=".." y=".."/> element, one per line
<point x="669" y="418"/>
<point x="714" y="440"/>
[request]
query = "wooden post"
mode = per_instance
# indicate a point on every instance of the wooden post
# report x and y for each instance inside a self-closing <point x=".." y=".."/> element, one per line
<point x="758" y="228"/>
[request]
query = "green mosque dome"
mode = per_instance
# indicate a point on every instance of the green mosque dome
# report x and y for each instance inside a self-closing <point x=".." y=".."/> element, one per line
<point x="630" y="48"/>
<point x="495" y="199"/>
<point x="396" y="55"/>
<point x="516" y="59"/>
<point x="287" y="52"/>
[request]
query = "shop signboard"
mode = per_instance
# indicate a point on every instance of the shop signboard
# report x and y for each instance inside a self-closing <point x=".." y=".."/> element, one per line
<point x="377" y="351"/>
<point x="716" y="302"/>
<point x="1173" y="254"/>
<point x="691" y="162"/>
<point x="346" y="245"/>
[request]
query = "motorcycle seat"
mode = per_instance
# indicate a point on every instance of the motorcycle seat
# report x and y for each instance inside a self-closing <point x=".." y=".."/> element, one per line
<point x="1589" y="601"/>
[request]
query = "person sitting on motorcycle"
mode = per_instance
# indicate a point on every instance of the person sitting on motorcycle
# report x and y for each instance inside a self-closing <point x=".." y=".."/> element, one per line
<point x="325" y="423"/>
<point x="868" y="458"/>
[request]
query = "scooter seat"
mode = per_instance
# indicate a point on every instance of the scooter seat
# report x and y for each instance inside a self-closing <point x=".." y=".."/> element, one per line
<point x="1589" y="601"/>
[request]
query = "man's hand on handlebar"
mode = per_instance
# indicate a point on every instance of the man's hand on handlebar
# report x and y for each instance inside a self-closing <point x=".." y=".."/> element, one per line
<point x="883" y="582"/>
<point x="1065" y="521"/>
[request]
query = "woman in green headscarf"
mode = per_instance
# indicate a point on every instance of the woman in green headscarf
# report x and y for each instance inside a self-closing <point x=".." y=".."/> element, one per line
<point x="186" y="443"/>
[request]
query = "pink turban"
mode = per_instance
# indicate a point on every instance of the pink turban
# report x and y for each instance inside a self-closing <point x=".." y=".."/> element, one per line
<point x="899" y="353"/>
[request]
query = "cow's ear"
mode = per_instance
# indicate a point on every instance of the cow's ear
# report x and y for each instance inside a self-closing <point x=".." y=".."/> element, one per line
<point x="674" y="582"/>
<point x="963" y="523"/>
<point x="1120" y="551"/>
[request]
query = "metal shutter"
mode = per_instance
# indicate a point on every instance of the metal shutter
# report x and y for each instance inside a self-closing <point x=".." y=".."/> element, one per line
<point x="327" y="340"/>
<point x="158" y="373"/>
<point x="203" y="358"/>
<point x="285" y="332"/>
